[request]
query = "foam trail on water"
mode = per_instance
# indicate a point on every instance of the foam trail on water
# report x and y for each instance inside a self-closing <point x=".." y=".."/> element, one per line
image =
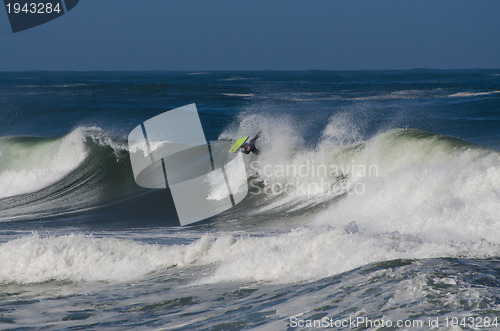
<point x="471" y="94"/>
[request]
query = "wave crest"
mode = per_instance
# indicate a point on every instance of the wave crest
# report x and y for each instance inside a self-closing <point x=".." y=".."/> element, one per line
<point x="29" y="164"/>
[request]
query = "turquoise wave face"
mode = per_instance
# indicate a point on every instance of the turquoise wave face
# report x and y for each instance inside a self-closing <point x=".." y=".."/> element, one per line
<point x="88" y="171"/>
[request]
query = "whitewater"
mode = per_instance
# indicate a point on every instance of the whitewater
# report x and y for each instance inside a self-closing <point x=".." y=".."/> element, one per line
<point x="361" y="203"/>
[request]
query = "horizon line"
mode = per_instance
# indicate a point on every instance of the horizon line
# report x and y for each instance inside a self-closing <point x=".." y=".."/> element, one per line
<point x="200" y="72"/>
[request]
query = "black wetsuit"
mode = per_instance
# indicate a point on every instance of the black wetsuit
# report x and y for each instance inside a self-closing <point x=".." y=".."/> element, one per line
<point x="248" y="147"/>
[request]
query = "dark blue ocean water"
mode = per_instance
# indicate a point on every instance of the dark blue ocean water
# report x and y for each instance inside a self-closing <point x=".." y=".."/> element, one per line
<point x="413" y="239"/>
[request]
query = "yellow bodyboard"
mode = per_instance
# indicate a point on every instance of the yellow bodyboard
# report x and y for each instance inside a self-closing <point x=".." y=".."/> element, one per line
<point x="238" y="144"/>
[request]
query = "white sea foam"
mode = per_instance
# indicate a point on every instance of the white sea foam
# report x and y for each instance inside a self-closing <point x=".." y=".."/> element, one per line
<point x="471" y="94"/>
<point x="428" y="188"/>
<point x="303" y="254"/>
<point x="238" y="94"/>
<point x="217" y="186"/>
<point x="34" y="259"/>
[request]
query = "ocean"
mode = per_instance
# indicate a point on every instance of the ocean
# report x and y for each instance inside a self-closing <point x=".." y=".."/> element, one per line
<point x="374" y="203"/>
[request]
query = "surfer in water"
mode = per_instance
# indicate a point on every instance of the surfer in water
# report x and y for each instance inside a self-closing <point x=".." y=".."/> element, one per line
<point x="250" y="146"/>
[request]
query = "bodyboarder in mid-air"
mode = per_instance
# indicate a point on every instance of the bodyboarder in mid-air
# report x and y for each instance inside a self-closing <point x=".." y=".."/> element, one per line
<point x="250" y="146"/>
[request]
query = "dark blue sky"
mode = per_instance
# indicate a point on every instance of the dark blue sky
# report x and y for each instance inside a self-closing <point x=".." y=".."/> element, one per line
<point x="259" y="35"/>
